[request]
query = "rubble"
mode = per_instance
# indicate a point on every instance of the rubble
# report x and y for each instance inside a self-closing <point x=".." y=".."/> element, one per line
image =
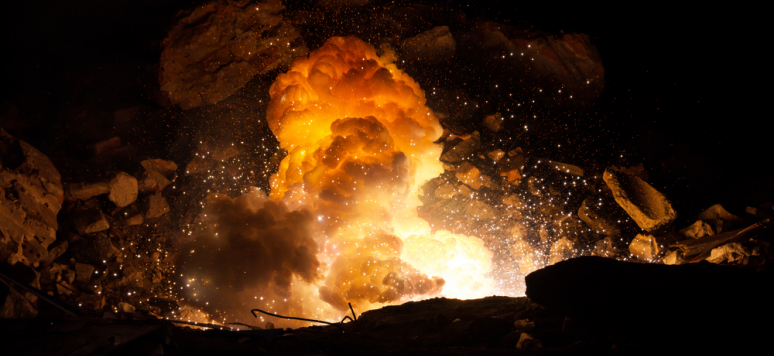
<point x="159" y="165"/>
<point x="32" y="199"/>
<point x="89" y="221"/>
<point x="462" y="150"/>
<point x="728" y="253"/>
<point x="592" y="213"/>
<point x="561" y="250"/>
<point x="83" y="272"/>
<point x="123" y="189"/>
<point x="153" y="181"/>
<point x="469" y="174"/>
<point x="216" y="48"/>
<point x="644" y="247"/>
<point x="496" y="155"/>
<point x="157" y="206"/>
<point x="432" y="47"/>
<point x="697" y="230"/>
<point x="647" y="207"/>
<point x="494" y="122"/>
<point x="719" y="218"/>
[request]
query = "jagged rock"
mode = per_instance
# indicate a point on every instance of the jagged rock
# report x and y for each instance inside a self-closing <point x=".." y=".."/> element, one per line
<point x="469" y="174"/>
<point x="123" y="189"/>
<point x="433" y="46"/>
<point x="446" y="191"/>
<point x="527" y="342"/>
<point x="105" y="249"/>
<point x="647" y="207"/>
<point x="125" y="307"/>
<point x="594" y="216"/>
<point x="135" y="220"/>
<point x="673" y="258"/>
<point x="511" y="167"/>
<point x="496" y="155"/>
<point x="512" y="200"/>
<point x="719" y="217"/>
<point x="56" y="251"/>
<point x="32" y="196"/>
<point x="732" y="252"/>
<point x="478" y="210"/>
<point x="561" y="250"/>
<point x="83" y="272"/>
<point x="157" y="206"/>
<point x="85" y="191"/>
<point x="605" y="248"/>
<point x="218" y="47"/>
<point x="89" y="221"/>
<point x="565" y="168"/>
<point x="159" y="165"/>
<point x="465" y="149"/>
<point x="153" y="181"/>
<point x="644" y="247"/>
<point x="697" y="230"/>
<point x="494" y="122"/>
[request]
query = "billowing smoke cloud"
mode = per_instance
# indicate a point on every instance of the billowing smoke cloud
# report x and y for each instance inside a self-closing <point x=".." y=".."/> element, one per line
<point x="249" y="246"/>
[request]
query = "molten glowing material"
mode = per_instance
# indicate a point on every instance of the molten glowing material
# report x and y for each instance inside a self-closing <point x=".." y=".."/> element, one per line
<point x="360" y="144"/>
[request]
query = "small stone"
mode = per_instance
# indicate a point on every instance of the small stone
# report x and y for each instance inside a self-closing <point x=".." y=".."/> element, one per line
<point x="123" y="189"/>
<point x="527" y="342"/>
<point x="697" y="230"/>
<point x="605" y="248"/>
<point x="65" y="289"/>
<point x="85" y="191"/>
<point x="730" y="253"/>
<point x="135" y="220"/>
<point x="593" y="215"/>
<point x="157" y="206"/>
<point x="89" y="221"/>
<point x="673" y="258"/>
<point x="465" y="149"/>
<point x="644" y="247"/>
<point x="446" y="191"/>
<point x="478" y="210"/>
<point x="83" y="272"/>
<point x="159" y="165"/>
<point x="496" y="155"/>
<point x="566" y="168"/>
<point x="469" y="174"/>
<point x="647" y="207"/>
<point x="125" y="307"/>
<point x="153" y="181"/>
<point x="718" y="212"/>
<point x="494" y="122"/>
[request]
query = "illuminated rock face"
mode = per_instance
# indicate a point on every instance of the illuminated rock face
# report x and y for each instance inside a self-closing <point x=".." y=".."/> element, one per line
<point x="218" y="47"/>
<point x="360" y="144"/>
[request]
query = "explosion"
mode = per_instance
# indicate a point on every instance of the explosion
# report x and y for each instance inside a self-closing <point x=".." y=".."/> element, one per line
<point x="340" y="224"/>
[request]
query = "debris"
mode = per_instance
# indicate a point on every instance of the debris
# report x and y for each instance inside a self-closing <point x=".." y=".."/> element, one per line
<point x="85" y="191"/>
<point x="566" y="168"/>
<point x="83" y="272"/>
<point x="697" y="230"/>
<point x="157" y="206"/>
<point x="123" y="189"/>
<point x="477" y="210"/>
<point x="644" y="247"/>
<point x="218" y="47"/>
<point x="701" y="248"/>
<point x="433" y="46"/>
<point x="494" y="122"/>
<point x="648" y="207"/>
<point x="89" y="221"/>
<point x="561" y="250"/>
<point x="592" y="213"/>
<point x="605" y="248"/>
<point x="469" y="174"/>
<point x="446" y="191"/>
<point x="731" y="252"/>
<point x="465" y="149"/>
<point x="527" y="342"/>
<point x="125" y="307"/>
<point x="673" y="258"/>
<point x="496" y="155"/>
<point x="135" y="220"/>
<point x="718" y="212"/>
<point x="153" y="181"/>
<point x="159" y="165"/>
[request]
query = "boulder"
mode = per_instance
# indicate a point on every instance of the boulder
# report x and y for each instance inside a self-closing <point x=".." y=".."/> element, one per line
<point x="157" y="206"/>
<point x="433" y="46"/>
<point x="123" y="189"/>
<point x="216" y="48"/>
<point x="32" y="198"/>
<point x="644" y="247"/>
<point x="647" y="207"/>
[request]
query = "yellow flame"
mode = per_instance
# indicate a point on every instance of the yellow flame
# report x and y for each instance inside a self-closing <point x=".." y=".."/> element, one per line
<point x="360" y="143"/>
